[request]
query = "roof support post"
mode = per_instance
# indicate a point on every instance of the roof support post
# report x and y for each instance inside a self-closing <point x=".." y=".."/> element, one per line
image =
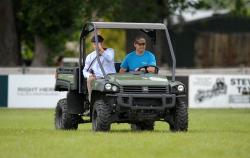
<point x="172" y="54"/>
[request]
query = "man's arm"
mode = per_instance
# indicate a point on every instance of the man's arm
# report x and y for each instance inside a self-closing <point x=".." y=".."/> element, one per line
<point x="86" y="74"/>
<point x="107" y="54"/>
<point x="152" y="61"/>
<point x="124" y="66"/>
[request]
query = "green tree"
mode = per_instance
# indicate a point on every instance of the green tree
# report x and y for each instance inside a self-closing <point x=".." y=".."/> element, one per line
<point x="47" y="25"/>
<point x="236" y="7"/>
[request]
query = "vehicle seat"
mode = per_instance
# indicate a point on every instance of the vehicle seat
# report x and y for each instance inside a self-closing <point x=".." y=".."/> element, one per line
<point x="117" y="67"/>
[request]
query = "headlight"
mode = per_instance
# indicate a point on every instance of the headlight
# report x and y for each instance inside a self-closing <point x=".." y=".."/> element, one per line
<point x="108" y="86"/>
<point x="180" y="88"/>
<point x="114" y="88"/>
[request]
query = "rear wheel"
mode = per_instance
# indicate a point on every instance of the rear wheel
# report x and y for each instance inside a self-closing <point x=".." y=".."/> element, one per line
<point x="64" y="120"/>
<point x="101" y="116"/>
<point x="180" y="117"/>
<point x="143" y="126"/>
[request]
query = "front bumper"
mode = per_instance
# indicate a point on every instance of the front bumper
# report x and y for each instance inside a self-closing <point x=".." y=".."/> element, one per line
<point x="145" y="101"/>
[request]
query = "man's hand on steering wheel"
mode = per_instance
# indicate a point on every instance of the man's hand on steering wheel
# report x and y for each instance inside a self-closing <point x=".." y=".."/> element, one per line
<point x="149" y="69"/>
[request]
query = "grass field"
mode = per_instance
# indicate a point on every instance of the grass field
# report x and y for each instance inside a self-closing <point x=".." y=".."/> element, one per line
<point x="213" y="133"/>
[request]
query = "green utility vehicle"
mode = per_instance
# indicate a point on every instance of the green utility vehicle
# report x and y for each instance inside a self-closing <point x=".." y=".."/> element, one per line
<point x="137" y="98"/>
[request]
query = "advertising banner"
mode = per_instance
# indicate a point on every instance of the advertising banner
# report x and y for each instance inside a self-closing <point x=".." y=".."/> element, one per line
<point x="33" y="91"/>
<point x="219" y="91"/>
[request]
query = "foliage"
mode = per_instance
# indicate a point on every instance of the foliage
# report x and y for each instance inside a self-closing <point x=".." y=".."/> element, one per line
<point x="52" y="20"/>
<point x="58" y="21"/>
<point x="26" y="52"/>
<point x="116" y="40"/>
<point x="237" y="7"/>
<point x="70" y="53"/>
<point x="240" y="8"/>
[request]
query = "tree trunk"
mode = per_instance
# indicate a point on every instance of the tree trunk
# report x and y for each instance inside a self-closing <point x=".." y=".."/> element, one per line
<point x="41" y="52"/>
<point x="8" y="35"/>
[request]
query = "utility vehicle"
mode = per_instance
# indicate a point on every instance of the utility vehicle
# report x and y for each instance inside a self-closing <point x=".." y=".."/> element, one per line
<point x="137" y="98"/>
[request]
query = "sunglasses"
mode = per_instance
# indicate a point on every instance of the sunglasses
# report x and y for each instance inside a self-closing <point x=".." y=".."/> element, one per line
<point x="141" y="44"/>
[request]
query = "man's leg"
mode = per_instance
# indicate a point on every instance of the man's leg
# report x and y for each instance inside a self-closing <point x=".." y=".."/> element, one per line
<point x="89" y="85"/>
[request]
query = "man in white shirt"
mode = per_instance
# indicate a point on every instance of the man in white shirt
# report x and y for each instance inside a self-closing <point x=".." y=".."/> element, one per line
<point x="92" y="69"/>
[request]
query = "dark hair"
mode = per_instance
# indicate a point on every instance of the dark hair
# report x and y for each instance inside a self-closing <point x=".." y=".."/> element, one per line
<point x="139" y="39"/>
<point x="99" y="38"/>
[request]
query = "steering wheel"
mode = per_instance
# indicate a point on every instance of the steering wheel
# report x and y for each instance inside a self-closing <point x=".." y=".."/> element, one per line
<point x="147" y="66"/>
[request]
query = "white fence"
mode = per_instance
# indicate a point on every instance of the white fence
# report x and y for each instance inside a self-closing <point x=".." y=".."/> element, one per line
<point x="208" y="88"/>
<point x="163" y="70"/>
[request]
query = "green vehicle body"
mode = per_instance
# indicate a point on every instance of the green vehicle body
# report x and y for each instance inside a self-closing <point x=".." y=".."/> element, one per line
<point x="136" y="98"/>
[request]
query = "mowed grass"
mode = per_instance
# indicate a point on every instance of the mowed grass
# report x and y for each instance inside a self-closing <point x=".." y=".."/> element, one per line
<point x="213" y="133"/>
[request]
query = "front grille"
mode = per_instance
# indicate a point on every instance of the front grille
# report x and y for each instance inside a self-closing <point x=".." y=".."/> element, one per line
<point x="157" y="89"/>
<point x="145" y="89"/>
<point x="132" y="89"/>
<point x="153" y="102"/>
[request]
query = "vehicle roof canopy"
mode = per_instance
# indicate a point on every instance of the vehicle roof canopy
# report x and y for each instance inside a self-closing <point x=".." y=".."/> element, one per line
<point x="89" y="27"/>
<point x="124" y="25"/>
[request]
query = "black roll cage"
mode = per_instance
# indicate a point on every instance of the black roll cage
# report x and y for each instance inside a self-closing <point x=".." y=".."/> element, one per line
<point x="147" y="28"/>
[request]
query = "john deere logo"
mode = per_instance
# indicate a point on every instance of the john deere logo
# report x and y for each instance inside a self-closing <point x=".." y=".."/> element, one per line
<point x="145" y="89"/>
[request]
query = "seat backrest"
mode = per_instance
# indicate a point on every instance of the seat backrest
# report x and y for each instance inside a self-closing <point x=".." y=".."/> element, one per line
<point x="117" y="67"/>
<point x="83" y="80"/>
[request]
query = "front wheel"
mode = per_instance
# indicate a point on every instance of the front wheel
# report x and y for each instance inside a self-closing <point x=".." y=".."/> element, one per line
<point x="101" y="116"/>
<point x="180" y="117"/>
<point x="64" y="120"/>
